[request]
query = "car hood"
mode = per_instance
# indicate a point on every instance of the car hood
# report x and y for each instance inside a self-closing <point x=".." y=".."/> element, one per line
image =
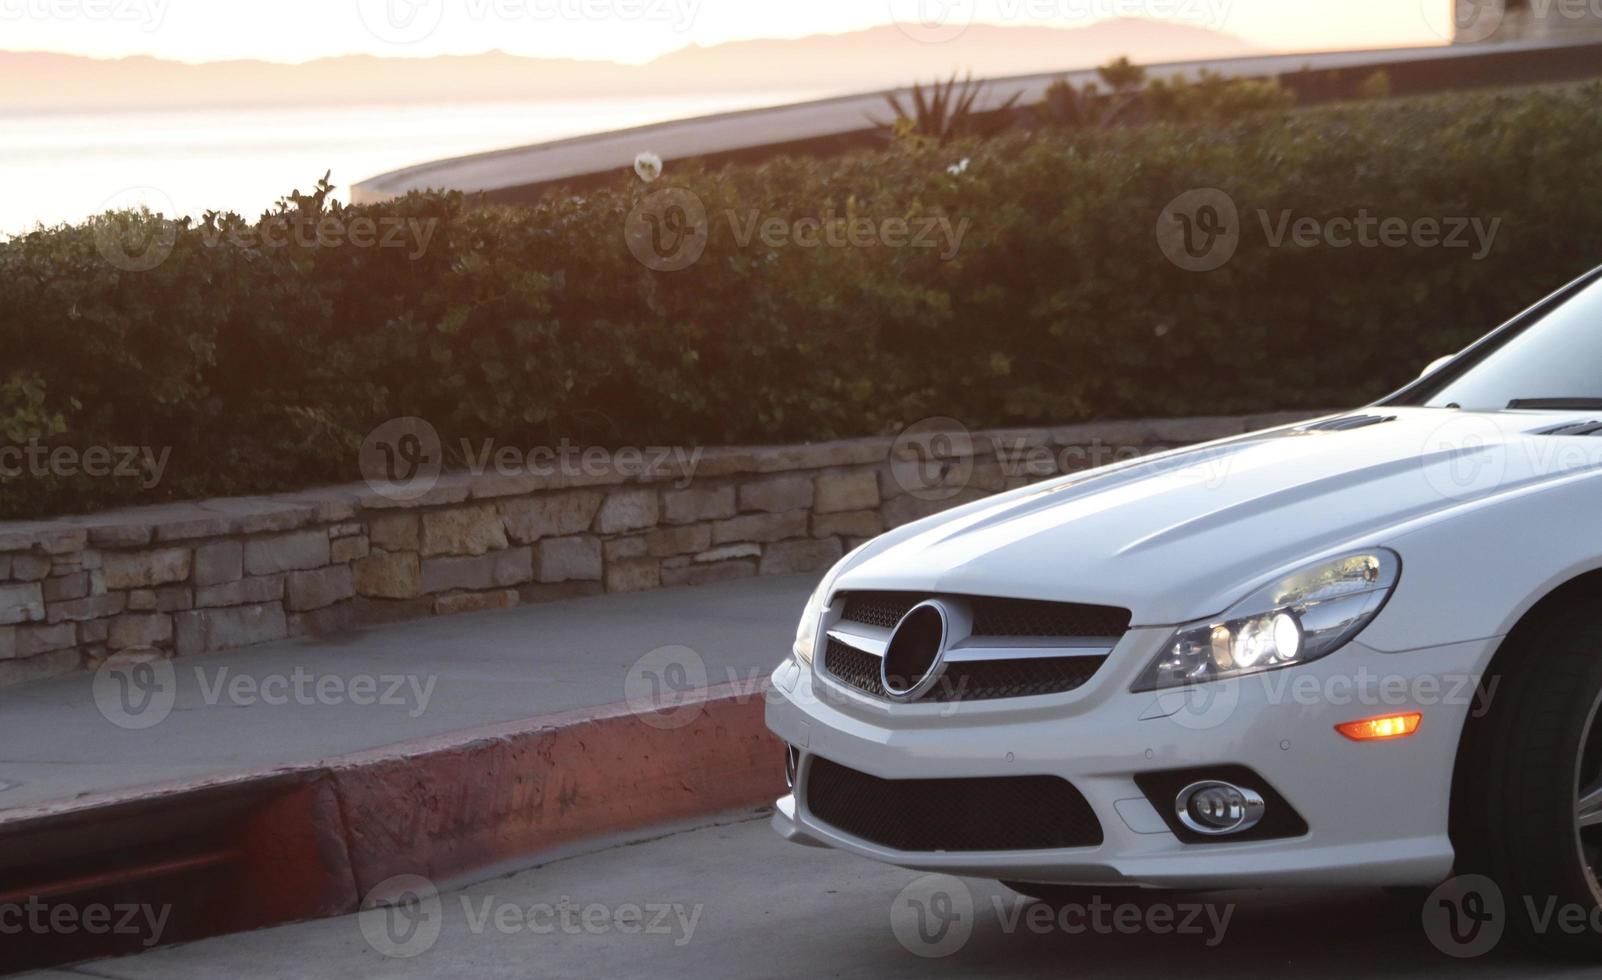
<point x="1185" y="535"/>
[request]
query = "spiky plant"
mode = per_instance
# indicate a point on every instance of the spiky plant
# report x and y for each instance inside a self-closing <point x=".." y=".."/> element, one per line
<point x="945" y="111"/>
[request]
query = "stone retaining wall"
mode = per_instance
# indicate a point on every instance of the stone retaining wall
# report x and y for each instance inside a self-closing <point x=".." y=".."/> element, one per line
<point x="196" y="578"/>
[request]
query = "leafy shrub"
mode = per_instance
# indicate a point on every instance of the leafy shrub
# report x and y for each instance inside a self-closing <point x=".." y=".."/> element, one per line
<point x="1131" y="98"/>
<point x="262" y="359"/>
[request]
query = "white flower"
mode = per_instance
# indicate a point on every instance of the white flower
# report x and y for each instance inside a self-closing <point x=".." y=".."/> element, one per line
<point x="958" y="168"/>
<point x="648" y="165"/>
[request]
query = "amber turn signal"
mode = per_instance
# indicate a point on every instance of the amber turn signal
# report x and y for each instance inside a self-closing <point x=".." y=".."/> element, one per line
<point x="1384" y="727"/>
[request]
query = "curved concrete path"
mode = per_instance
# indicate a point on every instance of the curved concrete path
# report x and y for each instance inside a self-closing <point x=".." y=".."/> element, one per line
<point x="584" y="156"/>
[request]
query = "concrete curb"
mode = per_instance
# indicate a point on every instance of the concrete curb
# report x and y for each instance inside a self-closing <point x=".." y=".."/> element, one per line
<point x="444" y="807"/>
<point x="226" y="854"/>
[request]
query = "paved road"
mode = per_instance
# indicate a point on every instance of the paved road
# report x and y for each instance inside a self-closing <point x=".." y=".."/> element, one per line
<point x="605" y="152"/>
<point x="732" y="900"/>
<point x="302" y="701"/>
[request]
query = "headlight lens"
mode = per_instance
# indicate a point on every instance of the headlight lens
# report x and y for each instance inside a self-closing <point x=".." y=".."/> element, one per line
<point x="1301" y="618"/>
<point x="806" y="634"/>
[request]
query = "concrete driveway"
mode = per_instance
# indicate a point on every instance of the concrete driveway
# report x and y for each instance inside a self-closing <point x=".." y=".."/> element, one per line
<point x="731" y="900"/>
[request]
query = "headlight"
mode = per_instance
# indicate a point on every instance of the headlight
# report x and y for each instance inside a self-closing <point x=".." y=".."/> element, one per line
<point x="806" y="634"/>
<point x="1303" y="617"/>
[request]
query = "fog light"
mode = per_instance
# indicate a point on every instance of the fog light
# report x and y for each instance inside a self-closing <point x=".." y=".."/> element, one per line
<point x="1217" y="808"/>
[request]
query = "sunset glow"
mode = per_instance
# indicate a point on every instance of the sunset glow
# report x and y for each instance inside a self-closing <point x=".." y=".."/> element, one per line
<point x="638" y="30"/>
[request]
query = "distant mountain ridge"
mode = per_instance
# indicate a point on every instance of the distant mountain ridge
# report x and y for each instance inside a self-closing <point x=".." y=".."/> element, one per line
<point x="879" y="57"/>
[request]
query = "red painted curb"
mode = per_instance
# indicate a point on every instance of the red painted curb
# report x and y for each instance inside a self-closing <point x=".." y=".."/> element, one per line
<point x="247" y="850"/>
<point x="478" y="799"/>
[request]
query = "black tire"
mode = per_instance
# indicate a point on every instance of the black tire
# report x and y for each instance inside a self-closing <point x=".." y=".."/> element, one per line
<point x="1520" y="770"/>
<point x="1058" y="896"/>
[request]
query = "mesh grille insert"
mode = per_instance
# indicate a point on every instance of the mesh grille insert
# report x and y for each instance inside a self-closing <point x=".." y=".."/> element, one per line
<point x="996" y="617"/>
<point x="977" y="680"/>
<point x="1011" y="813"/>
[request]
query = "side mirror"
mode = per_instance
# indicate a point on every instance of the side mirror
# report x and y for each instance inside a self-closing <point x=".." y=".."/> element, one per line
<point x="1437" y="364"/>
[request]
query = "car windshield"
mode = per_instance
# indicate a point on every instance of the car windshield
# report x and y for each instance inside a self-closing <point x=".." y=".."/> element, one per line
<point x="1555" y="364"/>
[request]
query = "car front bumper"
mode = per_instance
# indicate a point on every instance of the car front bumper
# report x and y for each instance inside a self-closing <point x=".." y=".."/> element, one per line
<point x="1376" y="811"/>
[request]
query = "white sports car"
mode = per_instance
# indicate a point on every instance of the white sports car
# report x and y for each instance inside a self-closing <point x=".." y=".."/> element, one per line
<point x="1363" y="650"/>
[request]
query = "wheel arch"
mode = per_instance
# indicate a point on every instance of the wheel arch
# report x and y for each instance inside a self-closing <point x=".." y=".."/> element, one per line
<point x="1584" y="588"/>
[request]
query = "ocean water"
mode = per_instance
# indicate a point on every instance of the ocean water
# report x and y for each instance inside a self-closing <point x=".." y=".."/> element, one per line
<point x="56" y="168"/>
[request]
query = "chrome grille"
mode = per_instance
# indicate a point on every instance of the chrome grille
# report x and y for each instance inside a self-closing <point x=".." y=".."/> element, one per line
<point x="1017" y="647"/>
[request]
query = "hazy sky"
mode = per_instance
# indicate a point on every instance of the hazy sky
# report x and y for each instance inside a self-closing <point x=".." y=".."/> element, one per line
<point x="637" y="30"/>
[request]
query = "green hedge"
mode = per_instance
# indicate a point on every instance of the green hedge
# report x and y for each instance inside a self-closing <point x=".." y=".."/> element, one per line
<point x="263" y="367"/>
